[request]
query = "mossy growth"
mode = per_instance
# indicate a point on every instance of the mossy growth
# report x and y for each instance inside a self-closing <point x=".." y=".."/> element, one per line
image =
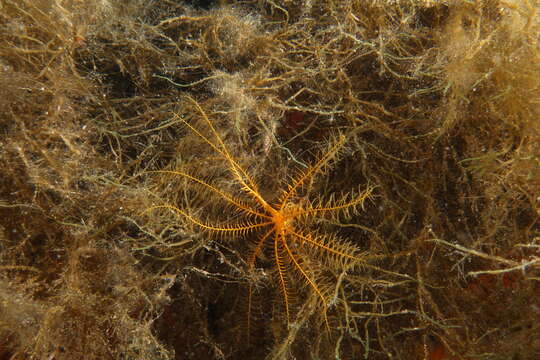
<point x="424" y="113"/>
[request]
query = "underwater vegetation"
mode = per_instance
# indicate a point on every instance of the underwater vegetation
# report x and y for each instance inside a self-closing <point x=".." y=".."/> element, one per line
<point x="355" y="179"/>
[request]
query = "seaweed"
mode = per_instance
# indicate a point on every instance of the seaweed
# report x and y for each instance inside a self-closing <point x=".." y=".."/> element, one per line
<point x="439" y="106"/>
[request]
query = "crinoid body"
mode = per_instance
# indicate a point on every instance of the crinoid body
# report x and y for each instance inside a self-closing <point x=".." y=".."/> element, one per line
<point x="281" y="231"/>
